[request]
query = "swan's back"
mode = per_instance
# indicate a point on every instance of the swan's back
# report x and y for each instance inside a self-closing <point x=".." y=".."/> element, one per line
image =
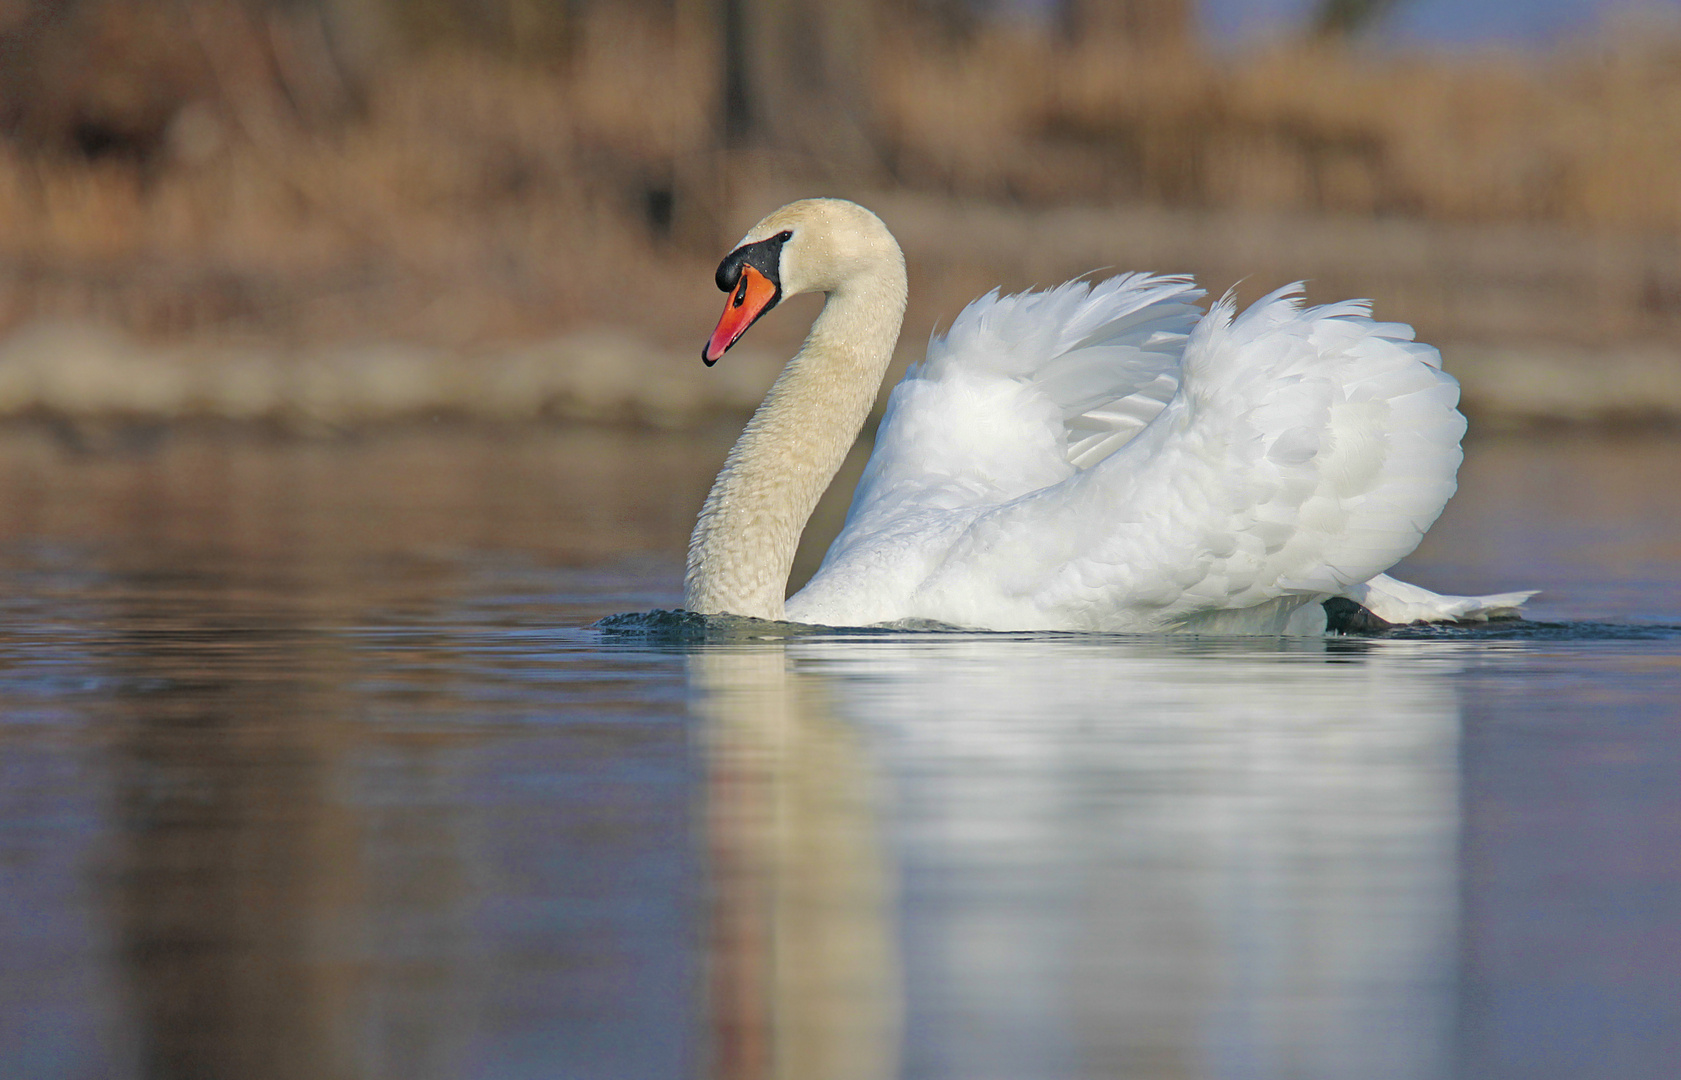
<point x="1108" y="457"/>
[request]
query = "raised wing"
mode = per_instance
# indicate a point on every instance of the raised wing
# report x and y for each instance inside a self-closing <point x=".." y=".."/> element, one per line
<point x="1306" y="451"/>
<point x="1024" y="390"/>
<point x="1020" y="394"/>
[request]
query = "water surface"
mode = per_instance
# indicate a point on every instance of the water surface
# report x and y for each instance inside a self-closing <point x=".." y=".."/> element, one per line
<point x="313" y="765"/>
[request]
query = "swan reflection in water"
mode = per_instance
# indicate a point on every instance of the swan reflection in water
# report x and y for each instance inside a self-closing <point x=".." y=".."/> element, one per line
<point x="1000" y="856"/>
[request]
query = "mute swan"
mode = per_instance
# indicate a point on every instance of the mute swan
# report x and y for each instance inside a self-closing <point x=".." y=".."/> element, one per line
<point x="1091" y="457"/>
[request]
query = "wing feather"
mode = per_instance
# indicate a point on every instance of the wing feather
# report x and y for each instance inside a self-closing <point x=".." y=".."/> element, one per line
<point x="1106" y="457"/>
<point x="1024" y="389"/>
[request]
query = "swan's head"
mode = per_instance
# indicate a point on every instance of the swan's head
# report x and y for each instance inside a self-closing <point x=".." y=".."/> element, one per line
<point x="814" y="245"/>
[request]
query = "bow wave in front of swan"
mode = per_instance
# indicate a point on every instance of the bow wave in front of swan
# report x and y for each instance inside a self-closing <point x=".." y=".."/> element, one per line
<point x="1101" y="457"/>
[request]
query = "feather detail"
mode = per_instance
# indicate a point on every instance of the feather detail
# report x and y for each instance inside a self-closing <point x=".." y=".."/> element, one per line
<point x="1107" y="457"/>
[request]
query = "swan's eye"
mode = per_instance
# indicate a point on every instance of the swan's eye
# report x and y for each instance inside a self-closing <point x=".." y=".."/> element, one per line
<point x="740" y="294"/>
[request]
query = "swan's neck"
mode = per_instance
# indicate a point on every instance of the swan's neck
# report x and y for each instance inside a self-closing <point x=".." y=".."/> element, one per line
<point x="743" y="545"/>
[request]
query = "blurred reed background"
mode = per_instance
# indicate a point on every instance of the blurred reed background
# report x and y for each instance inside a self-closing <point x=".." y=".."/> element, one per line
<point x="332" y="212"/>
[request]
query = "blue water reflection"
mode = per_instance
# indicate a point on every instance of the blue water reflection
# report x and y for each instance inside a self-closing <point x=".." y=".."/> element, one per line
<point x="1156" y="858"/>
<point x="1135" y="858"/>
<point x="384" y="804"/>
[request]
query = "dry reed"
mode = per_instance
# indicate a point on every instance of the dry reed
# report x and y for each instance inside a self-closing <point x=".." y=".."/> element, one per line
<point x="470" y="198"/>
<point x="1589" y="136"/>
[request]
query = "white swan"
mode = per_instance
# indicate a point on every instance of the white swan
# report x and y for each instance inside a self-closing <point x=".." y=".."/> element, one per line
<point x="1091" y="457"/>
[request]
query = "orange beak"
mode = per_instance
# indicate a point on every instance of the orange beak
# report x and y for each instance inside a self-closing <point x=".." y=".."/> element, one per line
<point x="752" y="296"/>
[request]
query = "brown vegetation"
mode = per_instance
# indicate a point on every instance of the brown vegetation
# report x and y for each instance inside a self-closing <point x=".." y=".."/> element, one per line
<point x="1589" y="138"/>
<point x="291" y="172"/>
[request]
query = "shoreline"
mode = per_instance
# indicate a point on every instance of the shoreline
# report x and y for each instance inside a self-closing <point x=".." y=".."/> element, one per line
<point x="1542" y="326"/>
<point x="86" y="374"/>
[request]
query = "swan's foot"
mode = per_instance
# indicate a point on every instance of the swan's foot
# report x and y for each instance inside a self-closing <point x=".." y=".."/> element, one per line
<point x="1346" y="617"/>
<point x="1343" y="616"/>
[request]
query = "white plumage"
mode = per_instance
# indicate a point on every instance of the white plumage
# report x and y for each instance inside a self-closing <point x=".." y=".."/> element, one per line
<point x="1108" y="457"/>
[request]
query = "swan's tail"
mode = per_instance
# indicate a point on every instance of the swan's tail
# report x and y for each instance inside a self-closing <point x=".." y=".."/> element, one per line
<point x="1399" y="603"/>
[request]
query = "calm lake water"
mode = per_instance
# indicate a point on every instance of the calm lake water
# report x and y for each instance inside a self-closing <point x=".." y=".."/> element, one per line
<point x="312" y="765"/>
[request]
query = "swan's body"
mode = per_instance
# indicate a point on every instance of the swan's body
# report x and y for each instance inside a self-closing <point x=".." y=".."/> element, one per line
<point x="1093" y="457"/>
